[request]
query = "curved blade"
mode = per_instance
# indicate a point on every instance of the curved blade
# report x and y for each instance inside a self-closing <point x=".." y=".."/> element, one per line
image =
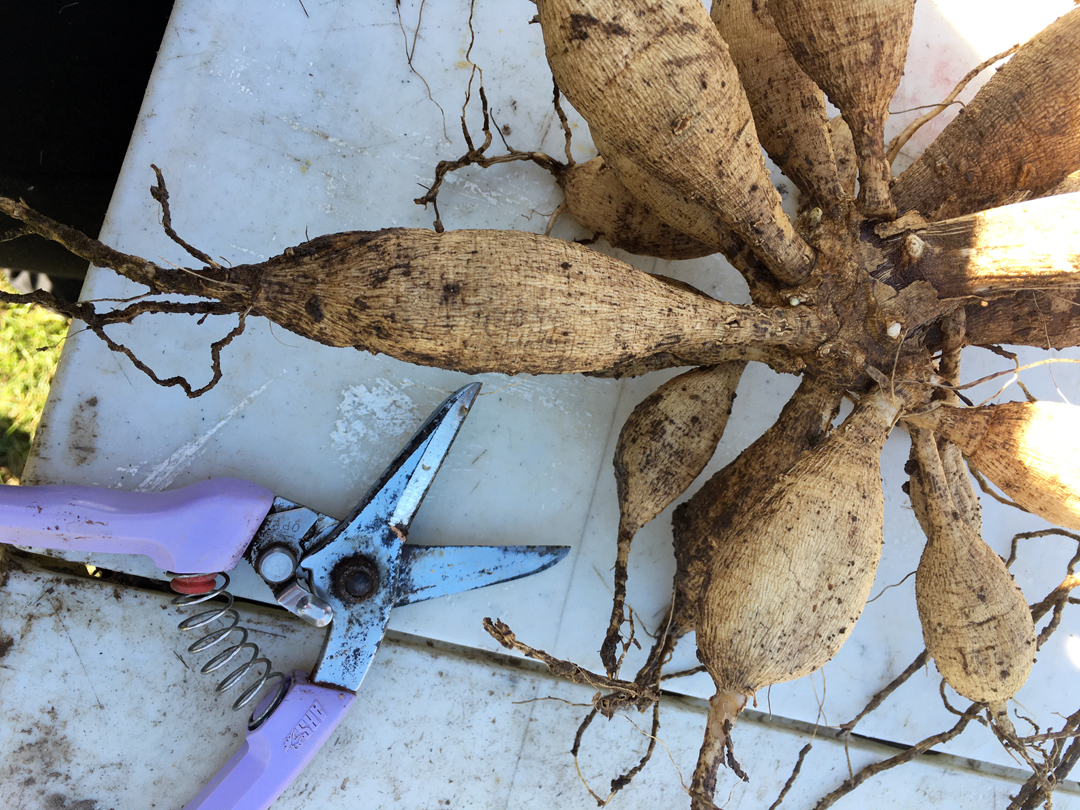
<point x="395" y="497"/>
<point x="428" y="572"/>
<point x="354" y="567"/>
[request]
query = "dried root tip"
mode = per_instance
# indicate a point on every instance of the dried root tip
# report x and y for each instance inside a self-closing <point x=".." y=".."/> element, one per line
<point x="716" y="749"/>
<point x="608" y="649"/>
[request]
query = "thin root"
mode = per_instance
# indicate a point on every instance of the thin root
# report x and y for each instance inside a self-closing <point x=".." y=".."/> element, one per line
<point x="626" y="693"/>
<point x="794" y="775"/>
<point x="161" y="194"/>
<point x="97" y="321"/>
<point x="477" y="155"/>
<point x="909" y="754"/>
<point x="898" y="142"/>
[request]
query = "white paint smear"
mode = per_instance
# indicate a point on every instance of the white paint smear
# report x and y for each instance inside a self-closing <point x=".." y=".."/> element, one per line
<point x="166" y="472"/>
<point x="369" y="416"/>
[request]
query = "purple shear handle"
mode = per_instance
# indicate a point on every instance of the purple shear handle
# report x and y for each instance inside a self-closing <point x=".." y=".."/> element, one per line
<point x="201" y="528"/>
<point x="274" y="754"/>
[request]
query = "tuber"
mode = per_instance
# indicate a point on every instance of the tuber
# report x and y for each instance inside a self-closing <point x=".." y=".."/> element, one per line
<point x="475" y="301"/>
<point x="975" y="621"/>
<point x="789" y="109"/>
<point x="663" y="446"/>
<point x="597" y="199"/>
<point x="787" y="582"/>
<point x="656" y="84"/>
<point x="1029" y="449"/>
<point x="1021" y="132"/>
<point x="854" y="50"/>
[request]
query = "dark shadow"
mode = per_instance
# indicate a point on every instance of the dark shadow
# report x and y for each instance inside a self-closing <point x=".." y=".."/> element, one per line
<point x="69" y="111"/>
<point x="14" y="449"/>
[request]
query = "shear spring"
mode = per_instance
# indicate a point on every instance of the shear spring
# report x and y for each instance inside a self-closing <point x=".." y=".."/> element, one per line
<point x="231" y="618"/>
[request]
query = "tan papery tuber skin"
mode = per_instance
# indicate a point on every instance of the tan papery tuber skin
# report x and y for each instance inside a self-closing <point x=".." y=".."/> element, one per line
<point x="1026" y="245"/>
<point x="789" y="109"/>
<point x="657" y="85"/>
<point x="597" y="200"/>
<point x="702" y="521"/>
<point x="847" y="162"/>
<point x="1021" y="132"/>
<point x="975" y="621"/>
<point x="474" y="300"/>
<point x="1031" y="450"/>
<point x="787" y="582"/>
<point x="854" y="50"/>
<point x="662" y="447"/>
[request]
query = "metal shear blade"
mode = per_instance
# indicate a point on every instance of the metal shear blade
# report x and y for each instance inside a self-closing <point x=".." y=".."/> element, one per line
<point x="361" y="568"/>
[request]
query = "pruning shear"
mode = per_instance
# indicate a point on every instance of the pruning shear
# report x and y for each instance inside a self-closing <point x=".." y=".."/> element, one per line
<point x="343" y="575"/>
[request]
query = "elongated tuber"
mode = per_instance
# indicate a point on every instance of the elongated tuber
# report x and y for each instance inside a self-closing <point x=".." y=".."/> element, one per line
<point x="854" y="50"/>
<point x="975" y="621"/>
<point x="657" y="85"/>
<point x="789" y="109"/>
<point x="476" y="301"/>
<point x="1021" y="132"/>
<point x="704" y="519"/>
<point x="1029" y="449"/>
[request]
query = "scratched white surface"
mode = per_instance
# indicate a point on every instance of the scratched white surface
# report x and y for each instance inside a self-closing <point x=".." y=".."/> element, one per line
<point x="269" y="125"/>
<point x="434" y="726"/>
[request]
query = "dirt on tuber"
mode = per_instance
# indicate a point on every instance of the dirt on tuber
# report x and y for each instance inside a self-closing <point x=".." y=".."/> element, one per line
<point x="658" y="88"/>
<point x="854" y="50"/>
<point x="975" y="621"/>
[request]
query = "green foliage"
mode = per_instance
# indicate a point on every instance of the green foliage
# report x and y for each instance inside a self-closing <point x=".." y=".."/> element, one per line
<point x="30" y="339"/>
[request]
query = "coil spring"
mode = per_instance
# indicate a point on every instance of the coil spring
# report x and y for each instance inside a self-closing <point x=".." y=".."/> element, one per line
<point x="228" y="614"/>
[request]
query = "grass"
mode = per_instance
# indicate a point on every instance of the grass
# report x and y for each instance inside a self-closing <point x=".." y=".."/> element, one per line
<point x="30" y="340"/>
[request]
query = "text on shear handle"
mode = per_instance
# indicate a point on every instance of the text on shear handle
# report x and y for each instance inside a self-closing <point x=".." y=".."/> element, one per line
<point x="306" y="728"/>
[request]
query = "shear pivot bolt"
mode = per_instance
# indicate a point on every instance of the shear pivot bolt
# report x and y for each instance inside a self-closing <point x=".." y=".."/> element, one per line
<point x="356" y="579"/>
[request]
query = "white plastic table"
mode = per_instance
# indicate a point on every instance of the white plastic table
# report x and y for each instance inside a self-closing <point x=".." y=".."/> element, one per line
<point x="271" y="121"/>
